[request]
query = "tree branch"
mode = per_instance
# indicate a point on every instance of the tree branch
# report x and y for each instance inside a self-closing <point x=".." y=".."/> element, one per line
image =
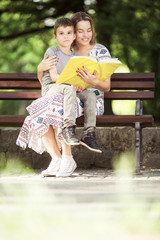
<point x="40" y="11"/>
<point x="30" y="31"/>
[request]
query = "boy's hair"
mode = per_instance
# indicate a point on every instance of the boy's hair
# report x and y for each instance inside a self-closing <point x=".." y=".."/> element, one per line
<point x="82" y="16"/>
<point x="62" y="22"/>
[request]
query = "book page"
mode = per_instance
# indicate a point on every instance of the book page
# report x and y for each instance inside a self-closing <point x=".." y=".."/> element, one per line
<point x="104" y="69"/>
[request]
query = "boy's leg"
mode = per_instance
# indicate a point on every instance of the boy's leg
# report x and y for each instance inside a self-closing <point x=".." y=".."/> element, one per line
<point x="89" y="100"/>
<point x="69" y="93"/>
<point x="89" y="138"/>
<point x="69" y="112"/>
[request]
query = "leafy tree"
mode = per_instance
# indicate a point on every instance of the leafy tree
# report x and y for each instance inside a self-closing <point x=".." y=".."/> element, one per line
<point x="26" y="31"/>
<point x="19" y="18"/>
<point x="129" y="28"/>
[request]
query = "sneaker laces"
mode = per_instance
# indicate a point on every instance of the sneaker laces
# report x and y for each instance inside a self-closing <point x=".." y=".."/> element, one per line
<point x="72" y="131"/>
<point x="90" y="134"/>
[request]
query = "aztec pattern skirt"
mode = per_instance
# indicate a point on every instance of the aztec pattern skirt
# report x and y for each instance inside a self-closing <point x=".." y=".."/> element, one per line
<point x="43" y="112"/>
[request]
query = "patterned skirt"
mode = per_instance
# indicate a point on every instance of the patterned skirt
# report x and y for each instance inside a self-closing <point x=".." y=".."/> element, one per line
<point x="43" y="112"/>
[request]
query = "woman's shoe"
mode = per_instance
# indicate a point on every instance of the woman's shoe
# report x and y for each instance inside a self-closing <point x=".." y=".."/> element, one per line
<point x="68" y="165"/>
<point x="53" y="168"/>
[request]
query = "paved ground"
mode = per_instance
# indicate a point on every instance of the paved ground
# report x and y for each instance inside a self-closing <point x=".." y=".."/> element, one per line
<point x="92" y="204"/>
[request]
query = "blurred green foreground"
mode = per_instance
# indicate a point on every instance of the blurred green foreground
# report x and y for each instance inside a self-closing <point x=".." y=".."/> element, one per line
<point x="92" y="204"/>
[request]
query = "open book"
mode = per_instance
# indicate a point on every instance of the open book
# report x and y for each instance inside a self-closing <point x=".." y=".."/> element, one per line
<point x="104" y="67"/>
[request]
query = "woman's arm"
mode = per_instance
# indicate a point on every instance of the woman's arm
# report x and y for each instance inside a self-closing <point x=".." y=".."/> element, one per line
<point x="46" y="64"/>
<point x="53" y="74"/>
<point x="93" y="80"/>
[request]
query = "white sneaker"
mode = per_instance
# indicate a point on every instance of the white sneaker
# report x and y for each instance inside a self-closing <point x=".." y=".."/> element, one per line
<point x="68" y="165"/>
<point x="53" y="168"/>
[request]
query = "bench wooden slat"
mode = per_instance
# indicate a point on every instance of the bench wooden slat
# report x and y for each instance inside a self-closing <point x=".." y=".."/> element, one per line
<point x="31" y="84"/>
<point x="123" y="120"/>
<point x="18" y="76"/>
<point x="19" y="95"/>
<point x="105" y="120"/>
<point x="133" y="76"/>
<point x="115" y="76"/>
<point x="18" y="84"/>
<point x="108" y="95"/>
<point x="129" y="95"/>
<point x="147" y="85"/>
<point x="11" y="120"/>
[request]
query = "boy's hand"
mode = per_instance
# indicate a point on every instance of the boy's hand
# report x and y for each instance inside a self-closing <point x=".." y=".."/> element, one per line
<point x="78" y="88"/>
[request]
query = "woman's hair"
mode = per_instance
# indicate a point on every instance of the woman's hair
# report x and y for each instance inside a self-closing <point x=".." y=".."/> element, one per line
<point x="62" y="22"/>
<point x="82" y="16"/>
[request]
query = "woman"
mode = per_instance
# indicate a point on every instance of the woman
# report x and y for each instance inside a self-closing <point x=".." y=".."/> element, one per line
<point x="84" y="45"/>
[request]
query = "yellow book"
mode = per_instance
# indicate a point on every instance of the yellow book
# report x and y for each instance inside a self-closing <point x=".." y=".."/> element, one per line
<point x="105" y="67"/>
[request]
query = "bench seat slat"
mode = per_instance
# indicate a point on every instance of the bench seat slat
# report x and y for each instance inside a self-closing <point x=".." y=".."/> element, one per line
<point x="26" y="95"/>
<point x="104" y="120"/>
<point x="123" y="120"/>
<point x="11" y="120"/>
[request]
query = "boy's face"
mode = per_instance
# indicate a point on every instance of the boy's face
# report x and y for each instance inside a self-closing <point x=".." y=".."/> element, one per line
<point x="64" y="36"/>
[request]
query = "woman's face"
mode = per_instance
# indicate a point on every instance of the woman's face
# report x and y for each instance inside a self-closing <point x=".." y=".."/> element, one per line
<point x="83" y="33"/>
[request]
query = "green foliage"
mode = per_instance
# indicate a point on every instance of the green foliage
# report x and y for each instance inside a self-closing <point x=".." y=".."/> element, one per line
<point x="129" y="28"/>
<point x="131" y="31"/>
<point x="25" y="53"/>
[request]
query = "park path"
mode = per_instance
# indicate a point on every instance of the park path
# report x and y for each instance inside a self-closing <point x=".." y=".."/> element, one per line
<point x="91" y="204"/>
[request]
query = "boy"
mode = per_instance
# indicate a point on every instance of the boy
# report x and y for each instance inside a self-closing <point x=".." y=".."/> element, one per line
<point x="63" y="51"/>
<point x="64" y="35"/>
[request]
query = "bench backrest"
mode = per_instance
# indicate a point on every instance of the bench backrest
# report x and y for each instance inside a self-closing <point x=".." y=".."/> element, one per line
<point x="25" y="86"/>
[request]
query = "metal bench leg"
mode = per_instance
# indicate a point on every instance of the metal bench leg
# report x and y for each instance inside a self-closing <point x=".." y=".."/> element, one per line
<point x="138" y="144"/>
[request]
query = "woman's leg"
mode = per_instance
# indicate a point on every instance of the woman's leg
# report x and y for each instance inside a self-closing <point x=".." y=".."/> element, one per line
<point x="52" y="148"/>
<point x="61" y="166"/>
<point x="68" y="164"/>
<point x="66" y="149"/>
<point x="50" y="143"/>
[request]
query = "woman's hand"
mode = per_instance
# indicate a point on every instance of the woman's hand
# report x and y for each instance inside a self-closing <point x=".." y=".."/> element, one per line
<point x="93" y="80"/>
<point x="86" y="76"/>
<point x="47" y="63"/>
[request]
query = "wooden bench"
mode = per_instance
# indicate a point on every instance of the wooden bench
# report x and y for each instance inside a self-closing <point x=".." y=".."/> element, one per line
<point x="140" y="86"/>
